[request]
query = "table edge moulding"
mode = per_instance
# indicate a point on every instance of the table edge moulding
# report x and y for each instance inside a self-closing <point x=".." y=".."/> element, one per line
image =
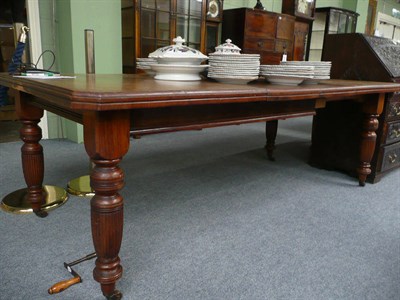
<point x="110" y="107"/>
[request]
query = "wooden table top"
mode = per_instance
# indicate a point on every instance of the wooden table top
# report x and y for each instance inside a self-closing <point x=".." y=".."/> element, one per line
<point x="128" y="91"/>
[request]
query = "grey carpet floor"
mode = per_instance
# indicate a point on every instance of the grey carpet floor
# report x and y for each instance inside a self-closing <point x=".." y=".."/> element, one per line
<point x="207" y="216"/>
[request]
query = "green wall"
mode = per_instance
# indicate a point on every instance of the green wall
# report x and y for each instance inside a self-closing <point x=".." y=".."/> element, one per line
<point x="362" y="9"/>
<point x="104" y="17"/>
<point x="48" y="33"/>
<point x="68" y="20"/>
<point x="386" y="6"/>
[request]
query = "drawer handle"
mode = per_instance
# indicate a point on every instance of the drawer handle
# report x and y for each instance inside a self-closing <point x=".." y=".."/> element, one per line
<point x="392" y="159"/>
<point x="396" y="110"/>
<point x="394" y="133"/>
<point x="260" y="44"/>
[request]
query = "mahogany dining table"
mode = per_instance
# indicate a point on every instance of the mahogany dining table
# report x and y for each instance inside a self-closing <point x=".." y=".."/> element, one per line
<point x="112" y="108"/>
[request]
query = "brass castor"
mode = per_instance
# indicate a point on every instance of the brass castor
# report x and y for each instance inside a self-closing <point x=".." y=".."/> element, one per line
<point x="116" y="295"/>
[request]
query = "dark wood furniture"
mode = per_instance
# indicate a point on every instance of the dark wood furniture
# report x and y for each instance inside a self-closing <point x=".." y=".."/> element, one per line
<point x="148" y="25"/>
<point x="329" y="20"/>
<point x="362" y="57"/>
<point x="257" y="31"/>
<point x="7" y="45"/>
<point x="303" y="10"/>
<point x="111" y="106"/>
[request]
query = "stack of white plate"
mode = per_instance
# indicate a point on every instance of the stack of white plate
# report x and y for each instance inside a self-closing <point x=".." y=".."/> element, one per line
<point x="286" y="74"/>
<point x="144" y="64"/>
<point x="322" y="69"/>
<point x="234" y="68"/>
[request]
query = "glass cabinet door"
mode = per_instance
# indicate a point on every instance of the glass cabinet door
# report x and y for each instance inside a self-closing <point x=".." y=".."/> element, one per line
<point x="329" y="20"/>
<point x="342" y="21"/>
<point x="128" y="36"/>
<point x="188" y="24"/>
<point x="333" y="21"/>
<point x="212" y="30"/>
<point x="154" y="25"/>
<point x="151" y="24"/>
<point x="163" y="20"/>
<point x="351" y="24"/>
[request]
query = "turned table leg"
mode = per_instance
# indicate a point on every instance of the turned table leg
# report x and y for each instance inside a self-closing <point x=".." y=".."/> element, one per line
<point x="271" y="128"/>
<point x="368" y="141"/>
<point x="106" y="137"/>
<point x="372" y="108"/>
<point x="31" y="151"/>
<point x="107" y="222"/>
<point x="33" y="164"/>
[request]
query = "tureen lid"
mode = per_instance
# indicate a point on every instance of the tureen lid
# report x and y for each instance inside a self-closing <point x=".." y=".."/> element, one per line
<point x="227" y="48"/>
<point x="177" y="51"/>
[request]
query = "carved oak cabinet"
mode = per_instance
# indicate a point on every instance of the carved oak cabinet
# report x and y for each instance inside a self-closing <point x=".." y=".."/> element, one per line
<point x="360" y="57"/>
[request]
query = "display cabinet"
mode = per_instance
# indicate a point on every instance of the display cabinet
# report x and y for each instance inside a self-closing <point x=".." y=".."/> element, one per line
<point x="151" y="24"/>
<point x="329" y="20"/>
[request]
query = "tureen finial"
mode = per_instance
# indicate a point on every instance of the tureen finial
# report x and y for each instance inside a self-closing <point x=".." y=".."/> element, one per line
<point x="178" y="41"/>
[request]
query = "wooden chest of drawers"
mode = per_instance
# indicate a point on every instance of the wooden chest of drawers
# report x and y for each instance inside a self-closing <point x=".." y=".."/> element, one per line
<point x="388" y="157"/>
<point x="256" y="31"/>
<point x="360" y="57"/>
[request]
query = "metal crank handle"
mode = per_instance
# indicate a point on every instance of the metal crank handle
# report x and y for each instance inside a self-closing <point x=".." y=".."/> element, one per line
<point x="63" y="285"/>
<point x="87" y="257"/>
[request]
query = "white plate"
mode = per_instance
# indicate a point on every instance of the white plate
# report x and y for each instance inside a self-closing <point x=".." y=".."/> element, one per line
<point x="235" y="80"/>
<point x="285" y="80"/>
<point x="310" y="81"/>
<point x="178" y="72"/>
<point x="235" y="56"/>
<point x="232" y="74"/>
<point x="234" y="60"/>
<point x="287" y="67"/>
<point x="146" y="59"/>
<point x="290" y="74"/>
<point x="307" y="63"/>
<point x="234" y="65"/>
<point x="286" y="73"/>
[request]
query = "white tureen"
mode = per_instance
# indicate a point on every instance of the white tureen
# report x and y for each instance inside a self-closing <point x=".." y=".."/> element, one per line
<point x="178" y="62"/>
<point x="178" y="54"/>
<point x="227" y="48"/>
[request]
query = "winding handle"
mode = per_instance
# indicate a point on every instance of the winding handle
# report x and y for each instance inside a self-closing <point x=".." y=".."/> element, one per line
<point x="62" y="285"/>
